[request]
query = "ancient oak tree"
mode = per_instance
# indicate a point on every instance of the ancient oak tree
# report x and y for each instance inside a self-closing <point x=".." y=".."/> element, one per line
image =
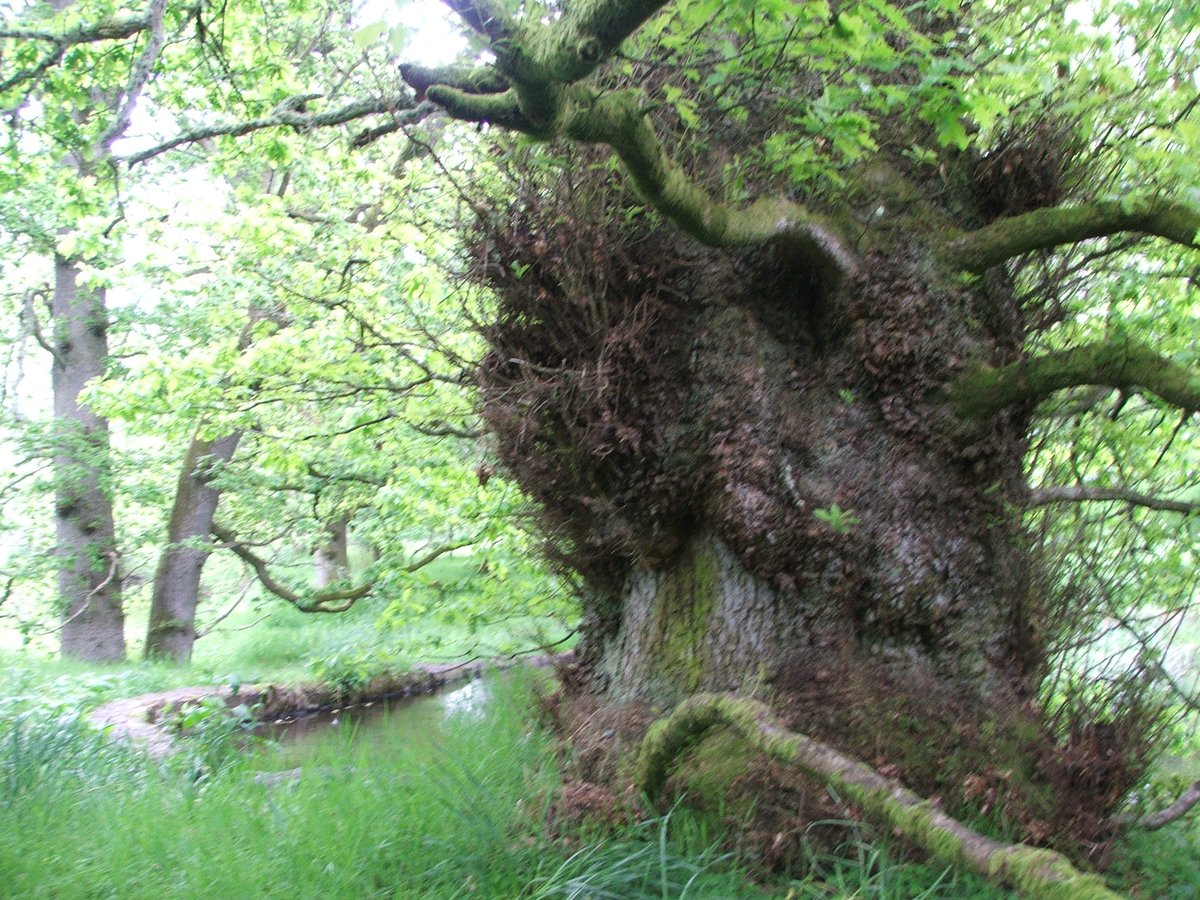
<point x="771" y="387"/>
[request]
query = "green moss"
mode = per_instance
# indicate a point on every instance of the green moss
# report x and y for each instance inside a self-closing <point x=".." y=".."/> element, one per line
<point x="916" y="823"/>
<point x="1046" y="875"/>
<point x="711" y="769"/>
<point x="1034" y="872"/>
<point x="682" y="607"/>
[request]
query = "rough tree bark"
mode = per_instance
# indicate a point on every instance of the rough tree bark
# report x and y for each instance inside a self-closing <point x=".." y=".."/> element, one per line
<point x="89" y="578"/>
<point x="172" y="629"/>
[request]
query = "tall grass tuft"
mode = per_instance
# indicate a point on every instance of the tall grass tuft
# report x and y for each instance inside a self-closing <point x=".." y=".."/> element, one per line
<point x="645" y="863"/>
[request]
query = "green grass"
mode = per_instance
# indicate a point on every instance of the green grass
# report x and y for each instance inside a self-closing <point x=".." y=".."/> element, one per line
<point x="455" y="814"/>
<point x="455" y="807"/>
<point x="55" y="686"/>
<point x="458" y="811"/>
<point x="864" y="868"/>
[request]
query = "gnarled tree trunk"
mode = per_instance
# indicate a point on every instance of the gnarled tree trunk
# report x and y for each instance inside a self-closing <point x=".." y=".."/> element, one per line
<point x="751" y="464"/>
<point x="779" y="440"/>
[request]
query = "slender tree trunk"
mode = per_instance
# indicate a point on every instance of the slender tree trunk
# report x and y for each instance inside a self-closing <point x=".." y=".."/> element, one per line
<point x="172" y="629"/>
<point x="331" y="560"/>
<point x="89" y="578"/>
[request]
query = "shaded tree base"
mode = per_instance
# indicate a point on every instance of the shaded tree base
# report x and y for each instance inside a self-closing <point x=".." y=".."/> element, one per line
<point x="1033" y="871"/>
<point x="860" y="743"/>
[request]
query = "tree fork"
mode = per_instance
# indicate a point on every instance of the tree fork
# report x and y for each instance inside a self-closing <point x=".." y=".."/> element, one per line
<point x="1034" y="872"/>
<point x="541" y="66"/>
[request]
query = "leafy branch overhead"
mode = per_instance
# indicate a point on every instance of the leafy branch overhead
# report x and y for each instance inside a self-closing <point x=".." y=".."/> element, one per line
<point x="146" y="36"/>
<point x="331" y="599"/>
<point x="57" y="44"/>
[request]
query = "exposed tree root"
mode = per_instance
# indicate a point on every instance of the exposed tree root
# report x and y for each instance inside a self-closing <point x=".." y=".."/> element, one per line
<point x="1033" y="872"/>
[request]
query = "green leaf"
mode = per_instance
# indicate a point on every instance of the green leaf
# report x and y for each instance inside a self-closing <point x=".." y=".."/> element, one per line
<point x="952" y="132"/>
<point x="849" y="26"/>
<point x="369" y="34"/>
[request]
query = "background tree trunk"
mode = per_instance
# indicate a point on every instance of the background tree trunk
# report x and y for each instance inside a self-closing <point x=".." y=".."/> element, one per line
<point x="331" y="559"/>
<point x="89" y="578"/>
<point x="176" y="596"/>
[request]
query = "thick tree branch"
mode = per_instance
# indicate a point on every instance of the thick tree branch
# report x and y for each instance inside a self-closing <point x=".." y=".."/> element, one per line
<point x="114" y="29"/>
<point x="329" y="600"/>
<point x="1033" y="872"/>
<point x="443" y="429"/>
<point x="406" y="110"/>
<point x="619" y="121"/>
<point x="1183" y="804"/>
<point x="1117" y="362"/>
<point x="1044" y="229"/>
<point x="1177" y="810"/>
<point x="1076" y="493"/>
<point x="483" y="16"/>
<point x="542" y="64"/>
<point x="470" y="79"/>
<point x="572" y="48"/>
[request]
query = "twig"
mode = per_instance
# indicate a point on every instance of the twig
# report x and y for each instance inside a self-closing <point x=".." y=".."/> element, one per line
<point x="36" y="329"/>
<point x="1077" y="493"/>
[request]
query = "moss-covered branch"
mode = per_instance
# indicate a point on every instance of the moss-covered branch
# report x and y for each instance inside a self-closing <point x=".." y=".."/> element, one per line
<point x="483" y="16"/>
<point x="542" y="65"/>
<point x="1117" y="362"/>
<point x="617" y="119"/>
<point x="1044" y="229"/>
<point x="469" y="79"/>
<point x="573" y="47"/>
<point x="1034" y="872"/>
